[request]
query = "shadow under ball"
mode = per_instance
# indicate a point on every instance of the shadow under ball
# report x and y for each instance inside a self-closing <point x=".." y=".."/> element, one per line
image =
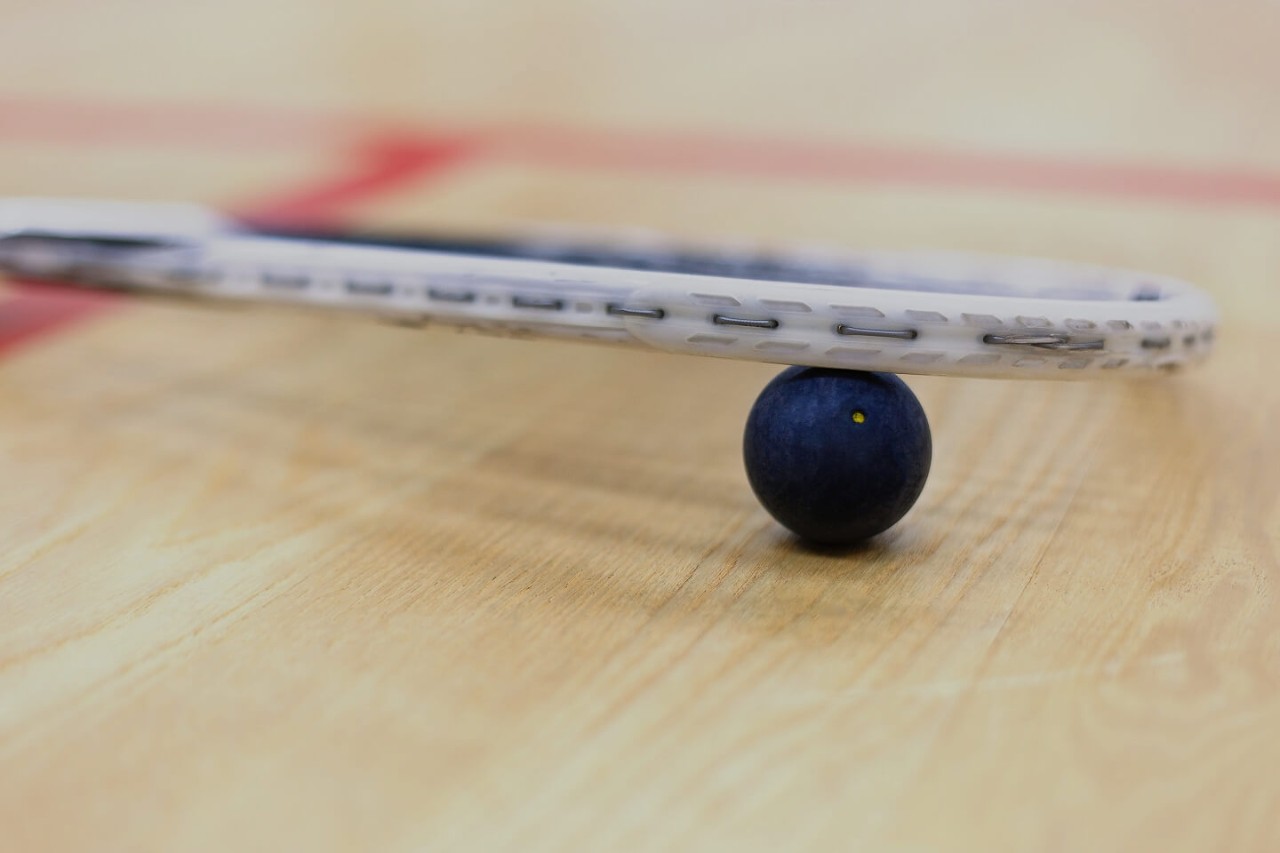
<point x="837" y="456"/>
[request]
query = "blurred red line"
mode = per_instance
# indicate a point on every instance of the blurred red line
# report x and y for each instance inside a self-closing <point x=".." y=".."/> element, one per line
<point x="35" y="310"/>
<point x="869" y="164"/>
<point x="383" y="161"/>
<point x="378" y="167"/>
<point x="235" y="127"/>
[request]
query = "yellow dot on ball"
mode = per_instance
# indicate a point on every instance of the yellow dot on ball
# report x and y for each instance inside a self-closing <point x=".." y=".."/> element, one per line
<point x="859" y="418"/>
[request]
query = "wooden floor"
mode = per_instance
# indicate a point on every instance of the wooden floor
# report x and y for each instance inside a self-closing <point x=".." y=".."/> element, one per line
<point x="271" y="581"/>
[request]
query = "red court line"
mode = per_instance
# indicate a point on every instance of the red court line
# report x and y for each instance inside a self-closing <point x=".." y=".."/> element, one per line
<point x="381" y="161"/>
<point x="36" y="310"/>
<point x="236" y="127"/>
<point x="853" y="163"/>
<point x="379" y="166"/>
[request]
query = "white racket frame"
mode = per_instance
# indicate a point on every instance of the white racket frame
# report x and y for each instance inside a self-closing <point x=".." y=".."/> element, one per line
<point x="909" y="312"/>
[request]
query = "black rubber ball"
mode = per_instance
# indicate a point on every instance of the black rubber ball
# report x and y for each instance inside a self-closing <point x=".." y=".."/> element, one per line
<point x="837" y="456"/>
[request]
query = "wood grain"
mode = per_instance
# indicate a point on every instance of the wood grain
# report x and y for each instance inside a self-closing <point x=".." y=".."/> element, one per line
<point x="281" y="581"/>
